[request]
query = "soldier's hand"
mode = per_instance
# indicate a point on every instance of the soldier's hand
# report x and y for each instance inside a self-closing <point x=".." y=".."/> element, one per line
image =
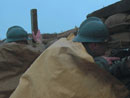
<point x="110" y="59"/>
<point x="37" y="37"/>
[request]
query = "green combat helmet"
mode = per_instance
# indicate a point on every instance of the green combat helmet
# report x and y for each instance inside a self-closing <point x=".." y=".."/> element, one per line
<point x="16" y="33"/>
<point x="92" y="30"/>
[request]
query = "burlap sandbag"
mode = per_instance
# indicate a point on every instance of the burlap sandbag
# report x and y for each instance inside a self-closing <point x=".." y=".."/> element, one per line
<point x="120" y="40"/>
<point x="14" y="60"/>
<point x="66" y="70"/>
<point x="116" y="19"/>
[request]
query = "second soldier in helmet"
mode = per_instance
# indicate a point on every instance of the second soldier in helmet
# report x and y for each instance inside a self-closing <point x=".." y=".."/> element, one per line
<point x="16" y="34"/>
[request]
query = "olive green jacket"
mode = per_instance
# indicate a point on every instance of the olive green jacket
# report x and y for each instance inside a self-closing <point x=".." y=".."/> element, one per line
<point x="119" y="69"/>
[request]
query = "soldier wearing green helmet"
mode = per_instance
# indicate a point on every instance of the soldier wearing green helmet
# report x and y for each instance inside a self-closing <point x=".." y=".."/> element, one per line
<point x="93" y="34"/>
<point x="16" y="34"/>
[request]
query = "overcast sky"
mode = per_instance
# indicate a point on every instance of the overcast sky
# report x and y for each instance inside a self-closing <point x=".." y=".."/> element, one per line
<point x="53" y="15"/>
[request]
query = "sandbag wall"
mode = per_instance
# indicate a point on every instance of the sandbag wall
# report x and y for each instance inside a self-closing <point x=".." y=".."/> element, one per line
<point x="119" y="29"/>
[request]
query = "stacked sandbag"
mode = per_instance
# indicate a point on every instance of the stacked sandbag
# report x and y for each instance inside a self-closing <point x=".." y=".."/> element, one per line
<point x="116" y="19"/>
<point x="120" y="40"/>
<point x="119" y="27"/>
<point x="14" y="61"/>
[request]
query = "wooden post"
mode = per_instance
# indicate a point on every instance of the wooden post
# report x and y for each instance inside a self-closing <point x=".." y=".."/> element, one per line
<point x="34" y="22"/>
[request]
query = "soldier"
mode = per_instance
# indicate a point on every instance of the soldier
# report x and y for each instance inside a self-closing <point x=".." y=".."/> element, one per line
<point x="16" y="34"/>
<point x="15" y="57"/>
<point x="93" y="42"/>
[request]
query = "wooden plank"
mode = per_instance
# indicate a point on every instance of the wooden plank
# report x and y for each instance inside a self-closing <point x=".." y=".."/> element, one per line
<point x="34" y="22"/>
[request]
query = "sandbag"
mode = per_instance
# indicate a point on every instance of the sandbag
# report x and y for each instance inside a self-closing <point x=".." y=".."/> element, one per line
<point x="66" y="70"/>
<point x="116" y="19"/>
<point x="123" y="27"/>
<point x="120" y="40"/>
<point x="14" y="61"/>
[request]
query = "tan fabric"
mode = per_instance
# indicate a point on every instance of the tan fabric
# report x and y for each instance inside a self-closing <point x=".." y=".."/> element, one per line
<point x="65" y="70"/>
<point x="14" y="60"/>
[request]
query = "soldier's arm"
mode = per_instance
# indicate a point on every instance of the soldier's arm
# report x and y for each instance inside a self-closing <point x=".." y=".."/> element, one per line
<point x="119" y="68"/>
